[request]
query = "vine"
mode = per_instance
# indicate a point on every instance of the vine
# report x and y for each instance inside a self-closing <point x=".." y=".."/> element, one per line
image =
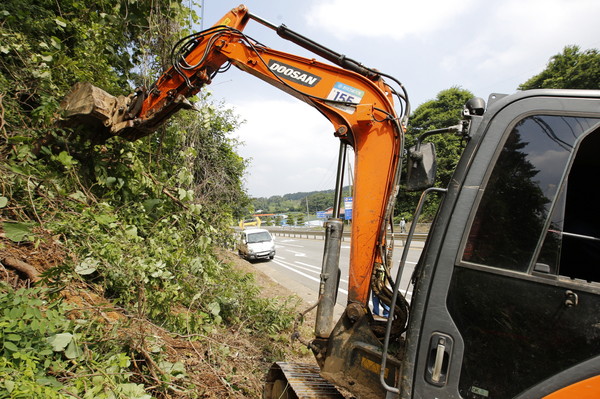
<point x="104" y="248"/>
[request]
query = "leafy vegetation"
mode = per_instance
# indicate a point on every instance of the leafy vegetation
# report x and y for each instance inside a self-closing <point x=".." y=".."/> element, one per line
<point x="444" y="111"/>
<point x="121" y="237"/>
<point x="47" y="355"/>
<point x="571" y="69"/>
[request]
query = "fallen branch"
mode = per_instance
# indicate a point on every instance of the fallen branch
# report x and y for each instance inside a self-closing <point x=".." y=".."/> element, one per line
<point x="22" y="267"/>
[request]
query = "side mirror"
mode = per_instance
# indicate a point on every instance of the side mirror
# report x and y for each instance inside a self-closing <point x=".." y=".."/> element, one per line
<point x="422" y="165"/>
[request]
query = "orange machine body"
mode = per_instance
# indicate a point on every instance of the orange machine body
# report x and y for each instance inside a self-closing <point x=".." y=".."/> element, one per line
<point x="361" y="111"/>
<point x="586" y="389"/>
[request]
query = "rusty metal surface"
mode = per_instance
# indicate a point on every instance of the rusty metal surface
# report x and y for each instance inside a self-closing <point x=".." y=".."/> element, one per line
<point x="354" y="356"/>
<point x="85" y="99"/>
<point x="304" y="380"/>
<point x="101" y="113"/>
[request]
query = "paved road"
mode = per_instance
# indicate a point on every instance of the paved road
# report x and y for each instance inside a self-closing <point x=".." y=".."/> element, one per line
<point x="297" y="266"/>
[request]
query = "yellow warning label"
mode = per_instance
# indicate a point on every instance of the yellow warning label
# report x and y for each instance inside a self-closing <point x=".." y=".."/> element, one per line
<point x="372" y="366"/>
<point x="226" y="21"/>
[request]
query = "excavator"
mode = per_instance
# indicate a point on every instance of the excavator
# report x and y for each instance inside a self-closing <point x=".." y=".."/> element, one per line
<point x="504" y="301"/>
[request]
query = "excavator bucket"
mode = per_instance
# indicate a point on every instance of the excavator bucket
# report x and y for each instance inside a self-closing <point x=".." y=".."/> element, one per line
<point x="88" y="101"/>
<point x="94" y="108"/>
<point x="88" y="105"/>
<point x="107" y="116"/>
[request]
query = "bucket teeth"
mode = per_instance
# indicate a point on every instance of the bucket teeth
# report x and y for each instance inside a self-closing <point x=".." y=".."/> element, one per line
<point x="303" y="379"/>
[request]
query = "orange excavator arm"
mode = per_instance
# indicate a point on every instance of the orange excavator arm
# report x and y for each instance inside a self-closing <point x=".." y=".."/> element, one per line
<point x="356" y="100"/>
<point x="360" y="108"/>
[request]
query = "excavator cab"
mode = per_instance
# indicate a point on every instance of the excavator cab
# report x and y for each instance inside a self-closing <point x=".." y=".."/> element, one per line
<point x="505" y="298"/>
<point x="507" y="289"/>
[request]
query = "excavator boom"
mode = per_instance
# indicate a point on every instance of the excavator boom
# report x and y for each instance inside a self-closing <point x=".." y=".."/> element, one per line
<point x="357" y="101"/>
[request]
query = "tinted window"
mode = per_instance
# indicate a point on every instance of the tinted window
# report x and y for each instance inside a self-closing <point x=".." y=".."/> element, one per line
<point x="521" y="189"/>
<point x="572" y="244"/>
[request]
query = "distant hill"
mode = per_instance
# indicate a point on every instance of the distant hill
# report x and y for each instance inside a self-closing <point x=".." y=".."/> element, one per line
<point x="303" y="195"/>
<point x="297" y="202"/>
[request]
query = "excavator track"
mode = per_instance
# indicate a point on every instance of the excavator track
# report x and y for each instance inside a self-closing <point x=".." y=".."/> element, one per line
<point x="298" y="381"/>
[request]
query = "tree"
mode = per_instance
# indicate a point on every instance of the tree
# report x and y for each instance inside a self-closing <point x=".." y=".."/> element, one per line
<point x="444" y="111"/>
<point x="571" y="69"/>
<point x="291" y="220"/>
<point x="320" y="201"/>
<point x="261" y="204"/>
<point x="209" y="154"/>
<point x="48" y="45"/>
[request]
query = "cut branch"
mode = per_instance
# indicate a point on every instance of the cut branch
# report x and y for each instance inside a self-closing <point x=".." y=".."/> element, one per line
<point x="22" y="267"/>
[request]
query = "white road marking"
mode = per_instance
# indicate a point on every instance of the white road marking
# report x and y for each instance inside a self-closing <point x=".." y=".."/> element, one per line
<point x="282" y="264"/>
<point x="287" y="244"/>
<point x="296" y="253"/>
<point x="307" y="265"/>
<point x="318" y="269"/>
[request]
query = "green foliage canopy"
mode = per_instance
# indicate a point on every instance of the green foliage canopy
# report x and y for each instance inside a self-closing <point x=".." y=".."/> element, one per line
<point x="571" y="69"/>
<point x="47" y="46"/>
<point x="443" y="111"/>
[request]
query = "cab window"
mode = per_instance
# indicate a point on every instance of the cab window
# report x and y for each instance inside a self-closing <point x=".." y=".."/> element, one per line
<point x="528" y="196"/>
<point x="572" y="244"/>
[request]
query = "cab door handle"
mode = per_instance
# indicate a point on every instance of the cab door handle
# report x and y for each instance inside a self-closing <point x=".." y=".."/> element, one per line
<point x="438" y="362"/>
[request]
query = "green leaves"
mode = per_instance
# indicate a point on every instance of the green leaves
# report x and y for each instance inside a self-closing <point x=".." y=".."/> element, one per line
<point x="18" y="232"/>
<point x="39" y="346"/>
<point x="571" y="69"/>
<point x="10" y="346"/>
<point x="114" y="208"/>
<point x="150" y="204"/>
<point x="65" y="159"/>
<point x="60" y="341"/>
<point x="105" y="219"/>
<point x="60" y="22"/>
<point x="66" y="343"/>
<point x="87" y="266"/>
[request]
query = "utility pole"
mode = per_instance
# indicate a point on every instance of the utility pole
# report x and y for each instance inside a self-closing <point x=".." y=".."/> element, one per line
<point x="307" y="213"/>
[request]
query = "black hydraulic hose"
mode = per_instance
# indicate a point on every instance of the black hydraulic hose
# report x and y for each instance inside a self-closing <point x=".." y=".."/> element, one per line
<point x="310" y="45"/>
<point x="330" y="55"/>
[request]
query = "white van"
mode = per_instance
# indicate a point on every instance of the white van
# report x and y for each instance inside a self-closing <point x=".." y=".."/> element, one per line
<point x="256" y="244"/>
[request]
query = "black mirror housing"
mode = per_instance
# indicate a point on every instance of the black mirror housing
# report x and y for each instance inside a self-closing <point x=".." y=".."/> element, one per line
<point x="422" y="166"/>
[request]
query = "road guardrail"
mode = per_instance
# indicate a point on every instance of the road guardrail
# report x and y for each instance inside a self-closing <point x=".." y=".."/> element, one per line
<point x="320" y="234"/>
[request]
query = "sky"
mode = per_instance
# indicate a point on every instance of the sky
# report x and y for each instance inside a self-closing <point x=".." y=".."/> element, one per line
<point x="429" y="45"/>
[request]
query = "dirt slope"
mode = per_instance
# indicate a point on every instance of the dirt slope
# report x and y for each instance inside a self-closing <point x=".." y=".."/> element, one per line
<point x="228" y="363"/>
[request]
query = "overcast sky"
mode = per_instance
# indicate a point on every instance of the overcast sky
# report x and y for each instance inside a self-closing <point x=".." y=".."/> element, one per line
<point x="429" y="45"/>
